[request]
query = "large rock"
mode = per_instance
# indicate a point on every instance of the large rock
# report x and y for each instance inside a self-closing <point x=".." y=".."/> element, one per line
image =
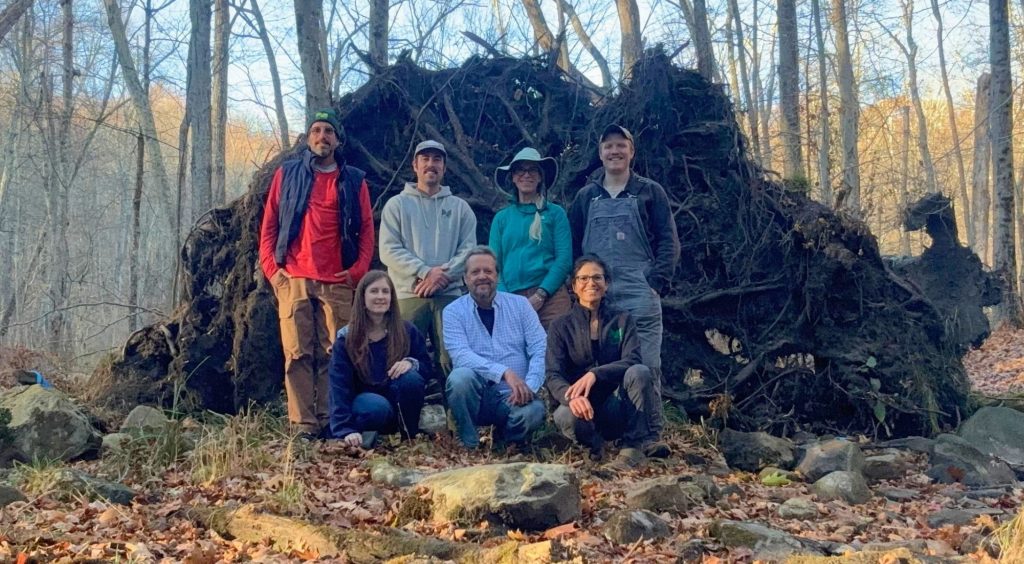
<point x="754" y="451"/>
<point x="383" y="472"/>
<point x="956" y="460"/>
<point x="847" y="486"/>
<point x="47" y="425"/>
<point x="519" y="495"/>
<point x="144" y="419"/>
<point x="767" y="543"/>
<point x="667" y="493"/>
<point x="627" y="526"/>
<point x="997" y="431"/>
<point x="798" y="508"/>
<point x="433" y="419"/>
<point x="9" y="495"/>
<point x="830" y="456"/>
<point x="889" y="465"/>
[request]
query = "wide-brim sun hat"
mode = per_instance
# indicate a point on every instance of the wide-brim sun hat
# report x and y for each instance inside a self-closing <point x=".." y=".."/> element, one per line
<point x="548" y="165"/>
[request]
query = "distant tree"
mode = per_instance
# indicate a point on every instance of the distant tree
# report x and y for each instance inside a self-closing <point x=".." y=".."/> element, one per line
<point x="309" y="27"/>
<point x="980" y="168"/>
<point x="1001" y="134"/>
<point x="632" y="43"/>
<point x="198" y="106"/>
<point x="789" y="91"/>
<point x="849" y="109"/>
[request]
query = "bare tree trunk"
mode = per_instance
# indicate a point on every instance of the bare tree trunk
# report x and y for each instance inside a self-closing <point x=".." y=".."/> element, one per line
<point x="379" y="32"/>
<point x="766" y="98"/>
<point x="848" y="109"/>
<point x="824" y="132"/>
<point x="11" y="14"/>
<point x="198" y="102"/>
<point x="141" y="102"/>
<point x="542" y="36"/>
<point x="910" y="52"/>
<point x="221" y="60"/>
<point x="958" y="156"/>
<point x="136" y="234"/>
<point x="789" y="91"/>
<point x="309" y="18"/>
<point x="702" y="41"/>
<point x="588" y="44"/>
<point x="904" y="175"/>
<point x="980" y="168"/>
<point x="749" y="100"/>
<point x="15" y="143"/>
<point x="260" y="27"/>
<point x="56" y="218"/>
<point x="632" y="43"/>
<point x="1001" y="134"/>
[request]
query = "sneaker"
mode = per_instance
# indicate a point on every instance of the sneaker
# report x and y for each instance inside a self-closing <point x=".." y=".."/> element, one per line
<point x="369" y="439"/>
<point x="627" y="459"/>
<point x="657" y="449"/>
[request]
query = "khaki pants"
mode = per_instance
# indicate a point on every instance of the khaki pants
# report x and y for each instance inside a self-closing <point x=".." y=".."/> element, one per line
<point x="555" y="306"/>
<point x="425" y="315"/>
<point x="311" y="313"/>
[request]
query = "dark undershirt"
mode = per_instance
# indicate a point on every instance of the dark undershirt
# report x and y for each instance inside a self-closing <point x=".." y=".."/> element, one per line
<point x="487" y="316"/>
<point x="594" y="343"/>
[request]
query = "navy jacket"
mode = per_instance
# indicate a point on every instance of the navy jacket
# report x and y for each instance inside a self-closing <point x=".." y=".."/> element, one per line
<point x="296" y="185"/>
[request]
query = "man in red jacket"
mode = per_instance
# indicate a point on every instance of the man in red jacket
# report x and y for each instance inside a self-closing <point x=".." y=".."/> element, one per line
<point x="316" y="243"/>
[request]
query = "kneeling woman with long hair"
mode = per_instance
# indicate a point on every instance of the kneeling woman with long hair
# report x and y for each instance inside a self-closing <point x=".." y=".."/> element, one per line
<point x="379" y="364"/>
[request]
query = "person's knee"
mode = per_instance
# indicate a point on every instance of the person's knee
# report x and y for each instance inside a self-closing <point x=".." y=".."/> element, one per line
<point x="410" y="383"/>
<point x="638" y="376"/>
<point x="530" y="416"/>
<point x="371" y="411"/>
<point x="461" y="381"/>
<point x="564" y="419"/>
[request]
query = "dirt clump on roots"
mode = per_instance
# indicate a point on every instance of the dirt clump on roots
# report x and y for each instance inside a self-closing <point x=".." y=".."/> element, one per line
<point x="783" y="314"/>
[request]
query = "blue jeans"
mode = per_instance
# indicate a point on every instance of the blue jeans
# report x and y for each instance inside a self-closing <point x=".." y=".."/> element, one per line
<point x="374" y="412"/>
<point x="473" y="401"/>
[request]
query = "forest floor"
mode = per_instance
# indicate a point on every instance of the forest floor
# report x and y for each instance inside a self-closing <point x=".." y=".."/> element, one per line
<point x="247" y="460"/>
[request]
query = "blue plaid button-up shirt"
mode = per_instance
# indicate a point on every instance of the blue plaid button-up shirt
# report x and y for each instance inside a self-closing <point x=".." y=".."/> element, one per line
<point x="518" y="341"/>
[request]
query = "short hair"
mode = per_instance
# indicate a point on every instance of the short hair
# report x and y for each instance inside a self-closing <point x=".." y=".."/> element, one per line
<point x="483" y="250"/>
<point x="590" y="258"/>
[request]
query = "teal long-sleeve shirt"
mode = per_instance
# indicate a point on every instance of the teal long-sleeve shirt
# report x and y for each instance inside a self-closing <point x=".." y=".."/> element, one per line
<point x="525" y="263"/>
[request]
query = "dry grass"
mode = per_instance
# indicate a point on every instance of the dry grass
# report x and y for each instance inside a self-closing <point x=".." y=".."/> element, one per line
<point x="1010" y="538"/>
<point x="235" y="447"/>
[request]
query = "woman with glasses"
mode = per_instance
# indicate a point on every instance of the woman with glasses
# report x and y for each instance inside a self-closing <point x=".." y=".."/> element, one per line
<point x="531" y="237"/>
<point x="594" y="372"/>
<point x="378" y="367"/>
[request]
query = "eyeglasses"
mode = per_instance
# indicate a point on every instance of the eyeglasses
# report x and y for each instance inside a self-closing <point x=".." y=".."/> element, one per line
<point x="525" y="171"/>
<point x="595" y="278"/>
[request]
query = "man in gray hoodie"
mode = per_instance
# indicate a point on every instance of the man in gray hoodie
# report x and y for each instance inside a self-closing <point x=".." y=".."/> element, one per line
<point x="425" y="234"/>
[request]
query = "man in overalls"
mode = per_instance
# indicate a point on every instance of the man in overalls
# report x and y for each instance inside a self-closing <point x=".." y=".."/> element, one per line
<point x="625" y="219"/>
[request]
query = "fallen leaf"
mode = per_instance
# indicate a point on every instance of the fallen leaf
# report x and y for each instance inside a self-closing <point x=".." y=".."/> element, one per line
<point x="560" y="530"/>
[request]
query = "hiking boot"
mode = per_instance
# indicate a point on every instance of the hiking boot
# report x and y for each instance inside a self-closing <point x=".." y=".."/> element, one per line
<point x="369" y="439"/>
<point x="657" y="449"/>
<point x="627" y="459"/>
<point x="596" y="453"/>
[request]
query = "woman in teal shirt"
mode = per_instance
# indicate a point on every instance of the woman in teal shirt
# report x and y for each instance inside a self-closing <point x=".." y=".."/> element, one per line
<point x="531" y="237"/>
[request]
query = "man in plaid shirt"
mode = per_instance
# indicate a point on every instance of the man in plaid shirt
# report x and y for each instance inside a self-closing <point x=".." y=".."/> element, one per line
<point x="497" y="347"/>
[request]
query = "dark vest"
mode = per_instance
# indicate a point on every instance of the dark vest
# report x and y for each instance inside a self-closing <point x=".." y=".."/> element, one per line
<point x="297" y="184"/>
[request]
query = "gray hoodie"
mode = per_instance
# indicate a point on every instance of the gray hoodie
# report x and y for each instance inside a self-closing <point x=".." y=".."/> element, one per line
<point x="418" y="232"/>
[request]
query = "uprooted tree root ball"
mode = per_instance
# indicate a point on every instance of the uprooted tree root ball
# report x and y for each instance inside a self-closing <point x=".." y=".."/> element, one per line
<point x="782" y="315"/>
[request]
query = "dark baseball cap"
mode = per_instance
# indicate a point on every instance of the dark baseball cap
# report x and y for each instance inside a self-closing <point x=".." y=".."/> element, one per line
<point x="616" y="129"/>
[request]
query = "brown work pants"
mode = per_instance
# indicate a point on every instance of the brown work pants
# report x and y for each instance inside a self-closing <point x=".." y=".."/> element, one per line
<point x="555" y="306"/>
<point x="311" y="313"/>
